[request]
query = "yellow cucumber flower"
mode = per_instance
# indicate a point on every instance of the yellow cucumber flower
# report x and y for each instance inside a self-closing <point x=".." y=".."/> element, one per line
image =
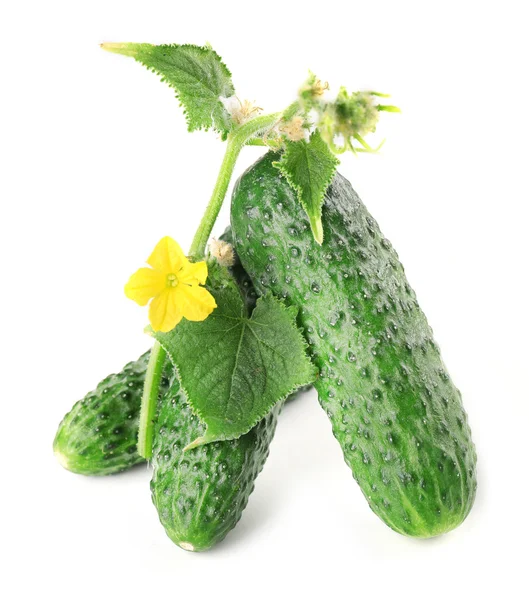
<point x="173" y="283"/>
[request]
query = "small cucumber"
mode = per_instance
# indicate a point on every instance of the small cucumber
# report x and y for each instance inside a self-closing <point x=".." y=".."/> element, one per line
<point x="200" y="494"/>
<point x="393" y="407"/>
<point x="99" y="435"/>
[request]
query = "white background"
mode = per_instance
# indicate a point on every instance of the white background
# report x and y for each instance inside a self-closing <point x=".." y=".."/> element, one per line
<point x="96" y="166"/>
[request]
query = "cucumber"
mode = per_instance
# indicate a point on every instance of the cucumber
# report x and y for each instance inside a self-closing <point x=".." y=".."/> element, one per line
<point x="200" y="494"/>
<point x="393" y="407"/>
<point x="99" y="435"/>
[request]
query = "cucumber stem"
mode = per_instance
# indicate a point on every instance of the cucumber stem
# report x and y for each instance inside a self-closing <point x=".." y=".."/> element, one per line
<point x="237" y="139"/>
<point x="151" y="390"/>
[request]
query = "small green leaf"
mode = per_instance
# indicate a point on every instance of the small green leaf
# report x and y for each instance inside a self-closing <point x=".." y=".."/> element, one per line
<point x="309" y="168"/>
<point x="198" y="75"/>
<point x="234" y="368"/>
<point x="388" y="108"/>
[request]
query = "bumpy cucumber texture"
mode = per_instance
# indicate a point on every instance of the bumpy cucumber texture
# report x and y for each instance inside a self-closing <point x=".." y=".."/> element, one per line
<point x="200" y="494"/>
<point x="99" y="435"/>
<point x="393" y="407"/>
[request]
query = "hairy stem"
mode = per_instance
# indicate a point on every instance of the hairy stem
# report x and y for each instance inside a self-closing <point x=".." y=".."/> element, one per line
<point x="151" y="390"/>
<point x="237" y="139"/>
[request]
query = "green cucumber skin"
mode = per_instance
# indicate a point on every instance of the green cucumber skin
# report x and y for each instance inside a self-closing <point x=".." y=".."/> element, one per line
<point x="393" y="407"/>
<point x="200" y="494"/>
<point x="99" y="435"/>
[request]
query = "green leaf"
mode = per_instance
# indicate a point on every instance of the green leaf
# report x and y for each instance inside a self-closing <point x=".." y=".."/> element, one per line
<point x="388" y="108"/>
<point x="235" y="368"/>
<point x="198" y="75"/>
<point x="309" y="168"/>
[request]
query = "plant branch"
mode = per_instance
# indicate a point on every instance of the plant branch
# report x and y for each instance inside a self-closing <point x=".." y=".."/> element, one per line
<point x="151" y="390"/>
<point x="237" y="139"/>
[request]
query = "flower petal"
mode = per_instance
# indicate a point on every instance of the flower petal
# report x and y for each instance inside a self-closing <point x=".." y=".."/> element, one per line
<point x="167" y="256"/>
<point x="192" y="273"/>
<point x="195" y="302"/>
<point x="144" y="285"/>
<point x="164" y="311"/>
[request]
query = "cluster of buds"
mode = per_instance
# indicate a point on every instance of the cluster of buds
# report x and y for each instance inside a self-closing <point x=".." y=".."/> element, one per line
<point x="349" y="117"/>
<point x="355" y="113"/>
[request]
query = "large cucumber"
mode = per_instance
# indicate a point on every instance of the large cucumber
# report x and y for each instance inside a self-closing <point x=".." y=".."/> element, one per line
<point x="200" y="494"/>
<point x="393" y="407"/>
<point x="99" y="435"/>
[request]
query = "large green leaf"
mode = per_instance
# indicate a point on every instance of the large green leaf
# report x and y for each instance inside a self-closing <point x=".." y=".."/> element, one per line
<point x="198" y="75"/>
<point x="309" y="168"/>
<point x="234" y="367"/>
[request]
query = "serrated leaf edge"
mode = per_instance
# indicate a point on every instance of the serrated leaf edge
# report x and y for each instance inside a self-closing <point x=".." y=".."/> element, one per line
<point x="315" y="222"/>
<point x="205" y="439"/>
<point x="222" y="64"/>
